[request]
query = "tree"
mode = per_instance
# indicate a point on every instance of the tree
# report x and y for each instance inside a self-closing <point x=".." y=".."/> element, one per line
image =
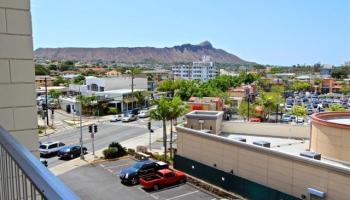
<point x="87" y="102"/>
<point x="112" y="110"/>
<point x="336" y="107"/>
<point x="133" y="71"/>
<point x="177" y="109"/>
<point x="140" y="96"/>
<point x="299" y="86"/>
<point x="55" y="94"/>
<point x="271" y="101"/>
<point x="345" y="90"/>
<point x="60" y="80"/>
<point x="340" y="73"/>
<point x="79" y="79"/>
<point x="41" y="70"/>
<point x="163" y="113"/>
<point x="243" y="110"/>
<point x="299" y="111"/>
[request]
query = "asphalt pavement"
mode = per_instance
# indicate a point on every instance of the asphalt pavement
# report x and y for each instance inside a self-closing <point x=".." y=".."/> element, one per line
<point x="101" y="181"/>
<point x="107" y="133"/>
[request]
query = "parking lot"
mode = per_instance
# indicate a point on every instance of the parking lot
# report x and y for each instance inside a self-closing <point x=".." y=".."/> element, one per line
<point x="101" y="181"/>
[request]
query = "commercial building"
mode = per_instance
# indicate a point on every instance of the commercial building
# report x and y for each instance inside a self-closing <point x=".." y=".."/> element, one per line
<point x="95" y="84"/>
<point x="268" y="161"/>
<point x="155" y="77"/>
<point x="201" y="70"/>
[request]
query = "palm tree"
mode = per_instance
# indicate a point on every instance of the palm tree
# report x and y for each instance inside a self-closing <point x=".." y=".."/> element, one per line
<point x="177" y="109"/>
<point x="162" y="113"/>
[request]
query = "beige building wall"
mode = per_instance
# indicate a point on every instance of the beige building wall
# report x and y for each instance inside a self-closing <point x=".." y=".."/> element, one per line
<point x="284" y="173"/>
<point x="332" y="142"/>
<point x="17" y="87"/>
<point x="267" y="129"/>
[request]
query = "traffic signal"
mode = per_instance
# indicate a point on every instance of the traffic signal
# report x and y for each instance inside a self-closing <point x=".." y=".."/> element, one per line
<point x="90" y="129"/>
<point x="149" y="125"/>
<point x="95" y="128"/>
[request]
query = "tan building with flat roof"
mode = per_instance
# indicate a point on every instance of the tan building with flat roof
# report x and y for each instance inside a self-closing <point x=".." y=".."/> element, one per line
<point x="262" y="163"/>
<point x="17" y="86"/>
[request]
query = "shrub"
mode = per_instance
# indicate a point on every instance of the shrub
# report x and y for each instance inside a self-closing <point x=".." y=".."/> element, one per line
<point x="110" y="153"/>
<point x="131" y="151"/>
<point x="121" y="151"/>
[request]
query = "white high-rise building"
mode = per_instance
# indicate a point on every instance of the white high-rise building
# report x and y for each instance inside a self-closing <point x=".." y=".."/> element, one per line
<point x="200" y="70"/>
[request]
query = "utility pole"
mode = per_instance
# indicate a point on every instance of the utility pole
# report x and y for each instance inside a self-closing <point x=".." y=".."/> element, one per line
<point x="132" y="89"/>
<point x="46" y="102"/>
<point x="248" y="106"/>
<point x="81" y="129"/>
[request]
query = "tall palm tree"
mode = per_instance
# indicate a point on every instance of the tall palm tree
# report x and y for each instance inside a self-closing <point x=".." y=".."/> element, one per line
<point x="162" y="113"/>
<point x="177" y="109"/>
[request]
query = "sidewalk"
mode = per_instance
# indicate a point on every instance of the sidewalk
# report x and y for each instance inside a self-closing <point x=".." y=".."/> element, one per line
<point x="142" y="140"/>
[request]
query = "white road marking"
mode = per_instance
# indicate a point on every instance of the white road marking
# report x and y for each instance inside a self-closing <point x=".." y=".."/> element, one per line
<point x="116" y="166"/>
<point x="154" y="196"/>
<point x="176" y="197"/>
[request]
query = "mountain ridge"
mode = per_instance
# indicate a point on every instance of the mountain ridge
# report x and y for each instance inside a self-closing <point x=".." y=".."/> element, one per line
<point x="180" y="53"/>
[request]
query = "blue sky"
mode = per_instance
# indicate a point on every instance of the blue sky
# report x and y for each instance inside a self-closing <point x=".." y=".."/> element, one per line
<point x="279" y="32"/>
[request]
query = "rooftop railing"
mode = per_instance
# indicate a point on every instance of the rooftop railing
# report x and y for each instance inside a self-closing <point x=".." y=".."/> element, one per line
<point x="23" y="176"/>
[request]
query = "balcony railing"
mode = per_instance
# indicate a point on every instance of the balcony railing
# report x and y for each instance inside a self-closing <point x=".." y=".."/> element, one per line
<point x="23" y="176"/>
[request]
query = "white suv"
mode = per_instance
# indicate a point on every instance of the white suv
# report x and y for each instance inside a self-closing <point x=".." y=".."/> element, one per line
<point x="50" y="148"/>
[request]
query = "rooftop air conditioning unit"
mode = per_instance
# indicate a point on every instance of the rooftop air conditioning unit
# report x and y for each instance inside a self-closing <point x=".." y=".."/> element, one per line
<point x="240" y="139"/>
<point x="262" y="143"/>
<point x="310" y="154"/>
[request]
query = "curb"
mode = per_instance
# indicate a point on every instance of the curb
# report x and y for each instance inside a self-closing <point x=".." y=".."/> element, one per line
<point x="209" y="188"/>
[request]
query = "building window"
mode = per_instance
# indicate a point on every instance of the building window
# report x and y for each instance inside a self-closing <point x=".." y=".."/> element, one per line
<point x="102" y="89"/>
<point x="94" y="87"/>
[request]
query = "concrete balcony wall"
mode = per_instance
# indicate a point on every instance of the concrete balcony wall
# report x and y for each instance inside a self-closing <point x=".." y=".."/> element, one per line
<point x="17" y="87"/>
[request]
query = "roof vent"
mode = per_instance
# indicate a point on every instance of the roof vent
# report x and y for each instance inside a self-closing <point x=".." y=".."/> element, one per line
<point x="240" y="139"/>
<point x="310" y="154"/>
<point x="262" y="144"/>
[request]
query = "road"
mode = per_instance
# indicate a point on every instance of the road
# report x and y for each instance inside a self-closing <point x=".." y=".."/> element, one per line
<point x="107" y="133"/>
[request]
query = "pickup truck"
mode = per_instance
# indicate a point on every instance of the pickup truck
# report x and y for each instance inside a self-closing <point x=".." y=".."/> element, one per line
<point x="161" y="178"/>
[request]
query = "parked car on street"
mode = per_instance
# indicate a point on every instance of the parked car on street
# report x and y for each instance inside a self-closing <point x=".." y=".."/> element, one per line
<point x="50" y="148"/>
<point x="116" y="118"/>
<point x="129" y="118"/>
<point x="300" y="120"/>
<point x="133" y="173"/>
<point x="286" y="118"/>
<point x="161" y="178"/>
<point x="144" y="113"/>
<point x="71" y="152"/>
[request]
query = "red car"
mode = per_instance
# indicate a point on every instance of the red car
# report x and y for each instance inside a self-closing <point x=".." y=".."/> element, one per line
<point x="161" y="178"/>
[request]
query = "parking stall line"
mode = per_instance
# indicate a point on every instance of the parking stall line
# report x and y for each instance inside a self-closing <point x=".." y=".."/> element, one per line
<point x="182" y="195"/>
<point x="116" y="166"/>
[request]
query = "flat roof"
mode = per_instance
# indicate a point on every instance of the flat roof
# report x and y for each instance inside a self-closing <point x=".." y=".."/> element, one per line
<point x="345" y="121"/>
<point x="291" y="146"/>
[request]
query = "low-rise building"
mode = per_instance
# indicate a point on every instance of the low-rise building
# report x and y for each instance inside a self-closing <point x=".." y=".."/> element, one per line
<point x="268" y="161"/>
<point x="96" y="84"/>
<point x="121" y="99"/>
<point x="40" y="81"/>
<point x="206" y="103"/>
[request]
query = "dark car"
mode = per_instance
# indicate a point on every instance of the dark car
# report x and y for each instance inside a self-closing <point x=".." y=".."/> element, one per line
<point x="142" y="168"/>
<point x="70" y="151"/>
